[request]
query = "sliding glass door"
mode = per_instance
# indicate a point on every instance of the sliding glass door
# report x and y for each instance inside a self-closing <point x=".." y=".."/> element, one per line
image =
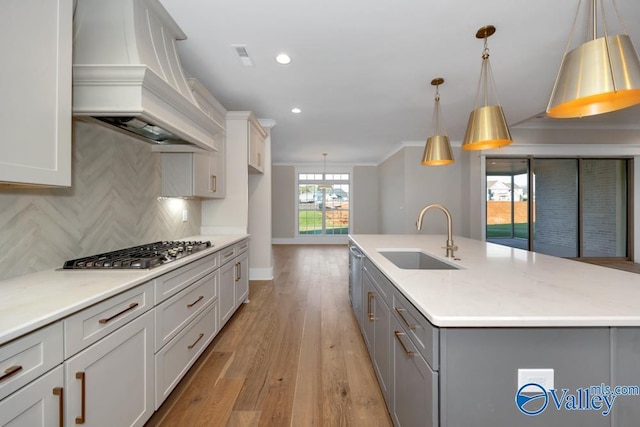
<point x="576" y="207"/>
<point x="508" y="202"/>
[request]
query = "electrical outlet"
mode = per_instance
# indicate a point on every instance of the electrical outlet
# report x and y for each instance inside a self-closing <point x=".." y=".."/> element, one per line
<point x="185" y="215"/>
<point x="544" y="377"/>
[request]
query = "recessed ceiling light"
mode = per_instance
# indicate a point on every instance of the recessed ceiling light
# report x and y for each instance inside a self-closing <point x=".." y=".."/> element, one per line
<point x="283" y="59"/>
<point x="296" y="110"/>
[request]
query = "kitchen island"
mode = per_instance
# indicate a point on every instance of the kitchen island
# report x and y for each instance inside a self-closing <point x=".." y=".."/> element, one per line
<point x="500" y="310"/>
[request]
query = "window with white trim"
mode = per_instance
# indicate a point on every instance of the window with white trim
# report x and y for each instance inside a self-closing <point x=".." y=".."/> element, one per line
<point x="323" y="203"/>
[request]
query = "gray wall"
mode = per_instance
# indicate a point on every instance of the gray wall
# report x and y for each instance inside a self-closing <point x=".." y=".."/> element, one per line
<point x="112" y="204"/>
<point x="406" y="187"/>
<point x="391" y="182"/>
<point x="283" y="207"/>
<point x="364" y="203"/>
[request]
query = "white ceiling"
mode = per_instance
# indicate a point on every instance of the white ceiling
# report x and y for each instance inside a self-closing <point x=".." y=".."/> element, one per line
<point x="361" y="69"/>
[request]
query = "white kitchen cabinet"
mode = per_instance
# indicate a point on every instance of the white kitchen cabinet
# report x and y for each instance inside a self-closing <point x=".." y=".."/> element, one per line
<point x="249" y="134"/>
<point x="227" y="291"/>
<point x="192" y="175"/>
<point x="256" y="137"/>
<point x="242" y="278"/>
<point x="197" y="174"/>
<point x="25" y="359"/>
<point x="174" y="360"/>
<point x="178" y="311"/>
<point x="39" y="404"/>
<point x="35" y="112"/>
<point x="110" y="383"/>
<point x="234" y="279"/>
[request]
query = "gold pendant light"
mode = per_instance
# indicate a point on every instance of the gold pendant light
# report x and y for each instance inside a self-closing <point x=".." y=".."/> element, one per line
<point x="599" y="76"/>
<point x="437" y="151"/>
<point x="487" y="127"/>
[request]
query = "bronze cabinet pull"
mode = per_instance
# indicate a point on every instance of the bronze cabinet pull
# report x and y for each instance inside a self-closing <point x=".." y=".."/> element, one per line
<point x="213" y="186"/>
<point x="370" y="296"/>
<point x="109" y="319"/>
<point x="227" y="255"/>
<point x="11" y="370"/>
<point x="400" y="311"/>
<point x="238" y="271"/>
<point x="59" y="391"/>
<point x="408" y="352"/>
<point x="81" y="419"/>
<point x="195" y="302"/>
<point x="194" y="344"/>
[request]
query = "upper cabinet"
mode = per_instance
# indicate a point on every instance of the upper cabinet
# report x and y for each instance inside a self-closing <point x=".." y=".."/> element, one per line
<point x="249" y="132"/>
<point x="35" y="113"/>
<point x="257" y="136"/>
<point x="198" y="173"/>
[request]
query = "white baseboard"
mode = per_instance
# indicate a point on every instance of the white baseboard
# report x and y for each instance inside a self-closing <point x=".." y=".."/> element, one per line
<point x="261" y="273"/>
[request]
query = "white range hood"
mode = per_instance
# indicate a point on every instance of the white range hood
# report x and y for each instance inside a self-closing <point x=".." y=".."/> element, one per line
<point x="126" y="73"/>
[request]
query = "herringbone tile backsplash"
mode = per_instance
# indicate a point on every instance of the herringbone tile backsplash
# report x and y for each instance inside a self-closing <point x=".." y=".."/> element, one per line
<point x="113" y="203"/>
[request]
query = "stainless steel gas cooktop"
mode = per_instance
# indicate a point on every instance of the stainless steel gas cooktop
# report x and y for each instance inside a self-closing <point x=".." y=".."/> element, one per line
<point x="139" y="257"/>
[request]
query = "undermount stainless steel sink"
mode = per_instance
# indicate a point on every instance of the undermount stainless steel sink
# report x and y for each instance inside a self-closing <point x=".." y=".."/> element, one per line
<point x="416" y="260"/>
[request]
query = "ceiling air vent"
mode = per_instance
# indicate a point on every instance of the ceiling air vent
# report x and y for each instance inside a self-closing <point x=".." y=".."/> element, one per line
<point x="243" y="55"/>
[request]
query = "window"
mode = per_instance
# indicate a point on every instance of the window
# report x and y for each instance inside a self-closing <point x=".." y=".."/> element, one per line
<point x="323" y="204"/>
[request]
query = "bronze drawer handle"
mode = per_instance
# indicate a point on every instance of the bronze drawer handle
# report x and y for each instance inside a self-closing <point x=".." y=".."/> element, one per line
<point x="194" y="344"/>
<point x="195" y="302"/>
<point x="59" y="391"/>
<point x="11" y="370"/>
<point x="227" y="255"/>
<point x="81" y="419"/>
<point x="400" y="311"/>
<point x="408" y="352"/>
<point x="109" y="319"/>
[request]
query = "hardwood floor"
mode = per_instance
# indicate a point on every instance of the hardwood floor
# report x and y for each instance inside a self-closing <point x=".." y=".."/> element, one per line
<point x="293" y="356"/>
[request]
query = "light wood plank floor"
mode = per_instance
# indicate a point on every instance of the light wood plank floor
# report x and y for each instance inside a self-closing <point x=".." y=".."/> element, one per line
<point x="293" y="356"/>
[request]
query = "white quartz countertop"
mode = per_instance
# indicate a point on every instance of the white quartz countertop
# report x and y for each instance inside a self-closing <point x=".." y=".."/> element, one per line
<point x="35" y="300"/>
<point x="499" y="286"/>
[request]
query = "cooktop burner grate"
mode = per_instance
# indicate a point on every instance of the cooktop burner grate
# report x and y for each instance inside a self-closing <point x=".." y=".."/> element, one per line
<point x="139" y="257"/>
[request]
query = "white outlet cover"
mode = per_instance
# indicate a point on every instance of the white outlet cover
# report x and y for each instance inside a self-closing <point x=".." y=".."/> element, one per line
<point x="543" y="377"/>
<point x="185" y="215"/>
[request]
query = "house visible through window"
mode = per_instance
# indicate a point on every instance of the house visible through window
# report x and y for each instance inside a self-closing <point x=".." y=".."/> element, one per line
<point x="323" y="203"/>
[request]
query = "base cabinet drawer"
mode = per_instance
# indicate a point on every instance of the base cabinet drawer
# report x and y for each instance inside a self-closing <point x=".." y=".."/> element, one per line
<point x="93" y="323"/>
<point x="26" y="358"/>
<point x="423" y="334"/>
<point x="171" y="283"/>
<point x="415" y="385"/>
<point x="175" y="313"/>
<point x="110" y="383"/>
<point x="39" y="404"/>
<point x="175" y="359"/>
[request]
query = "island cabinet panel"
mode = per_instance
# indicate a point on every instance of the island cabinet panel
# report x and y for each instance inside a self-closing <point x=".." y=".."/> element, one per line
<point x="415" y="384"/>
<point x="626" y="360"/>
<point x="479" y="370"/>
<point x="377" y="329"/>
<point x="423" y="334"/>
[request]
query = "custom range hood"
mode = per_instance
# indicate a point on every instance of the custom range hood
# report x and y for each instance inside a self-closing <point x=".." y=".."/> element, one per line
<point x="126" y="73"/>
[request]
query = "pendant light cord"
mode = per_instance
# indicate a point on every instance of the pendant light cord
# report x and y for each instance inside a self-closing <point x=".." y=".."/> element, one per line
<point x="486" y="77"/>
